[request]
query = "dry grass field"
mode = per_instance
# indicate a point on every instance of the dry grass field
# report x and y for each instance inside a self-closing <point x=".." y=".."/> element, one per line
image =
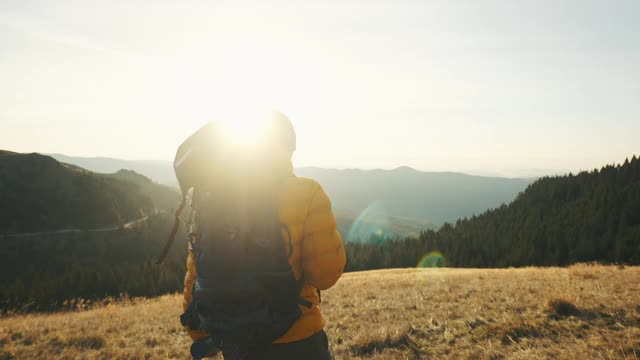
<point x="580" y="312"/>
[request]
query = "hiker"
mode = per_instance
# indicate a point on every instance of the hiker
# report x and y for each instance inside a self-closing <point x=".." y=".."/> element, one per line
<point x="263" y="245"/>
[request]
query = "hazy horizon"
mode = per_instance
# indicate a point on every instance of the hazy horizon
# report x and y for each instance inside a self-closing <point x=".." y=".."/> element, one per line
<point x="479" y="87"/>
<point x="508" y="173"/>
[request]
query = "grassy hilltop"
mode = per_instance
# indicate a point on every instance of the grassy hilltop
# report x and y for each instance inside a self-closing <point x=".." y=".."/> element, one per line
<point x="580" y="312"/>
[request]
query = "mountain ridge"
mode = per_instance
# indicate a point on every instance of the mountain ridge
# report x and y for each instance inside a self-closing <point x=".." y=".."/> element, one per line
<point x="104" y="164"/>
<point x="409" y="193"/>
<point x="406" y="188"/>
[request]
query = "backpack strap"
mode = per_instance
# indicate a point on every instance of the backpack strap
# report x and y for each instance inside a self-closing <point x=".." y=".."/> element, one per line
<point x="301" y="301"/>
<point x="305" y="303"/>
<point x="286" y="228"/>
<point x="174" y="231"/>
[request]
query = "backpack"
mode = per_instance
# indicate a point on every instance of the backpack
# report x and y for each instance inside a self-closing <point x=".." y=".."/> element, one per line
<point x="246" y="294"/>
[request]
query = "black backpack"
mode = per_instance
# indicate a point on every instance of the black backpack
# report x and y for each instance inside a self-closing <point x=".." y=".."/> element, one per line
<point x="245" y="295"/>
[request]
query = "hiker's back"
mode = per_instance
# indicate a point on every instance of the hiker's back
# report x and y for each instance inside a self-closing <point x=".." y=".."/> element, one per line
<point x="255" y="221"/>
<point x="317" y="251"/>
<point x="245" y="294"/>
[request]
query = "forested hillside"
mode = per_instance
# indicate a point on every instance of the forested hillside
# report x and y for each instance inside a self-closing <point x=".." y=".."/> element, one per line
<point x="37" y="193"/>
<point x="55" y="271"/>
<point x="164" y="197"/>
<point x="591" y="216"/>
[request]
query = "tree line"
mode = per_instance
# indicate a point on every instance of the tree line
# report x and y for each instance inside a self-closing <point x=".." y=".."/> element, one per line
<point x="591" y="216"/>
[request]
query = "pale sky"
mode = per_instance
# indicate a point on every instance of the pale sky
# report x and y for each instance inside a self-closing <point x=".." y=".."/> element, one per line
<point x="486" y="86"/>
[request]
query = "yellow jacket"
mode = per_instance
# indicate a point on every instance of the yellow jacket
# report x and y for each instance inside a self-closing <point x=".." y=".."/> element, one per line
<point x="317" y="252"/>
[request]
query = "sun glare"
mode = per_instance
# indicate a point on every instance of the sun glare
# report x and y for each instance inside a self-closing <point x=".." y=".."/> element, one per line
<point x="245" y="129"/>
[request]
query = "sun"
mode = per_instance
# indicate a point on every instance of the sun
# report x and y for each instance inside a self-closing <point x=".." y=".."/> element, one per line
<point x="245" y="128"/>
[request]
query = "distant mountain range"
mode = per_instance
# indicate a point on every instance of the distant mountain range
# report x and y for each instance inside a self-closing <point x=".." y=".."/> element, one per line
<point x="383" y="199"/>
<point x="433" y="197"/>
<point x="38" y="193"/>
<point x="159" y="171"/>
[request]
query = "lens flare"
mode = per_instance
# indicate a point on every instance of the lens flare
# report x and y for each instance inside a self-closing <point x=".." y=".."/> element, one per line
<point x="434" y="259"/>
<point x="430" y="270"/>
<point x="371" y="226"/>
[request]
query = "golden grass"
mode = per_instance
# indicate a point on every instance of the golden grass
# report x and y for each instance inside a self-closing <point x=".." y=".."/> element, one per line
<point x="580" y="312"/>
